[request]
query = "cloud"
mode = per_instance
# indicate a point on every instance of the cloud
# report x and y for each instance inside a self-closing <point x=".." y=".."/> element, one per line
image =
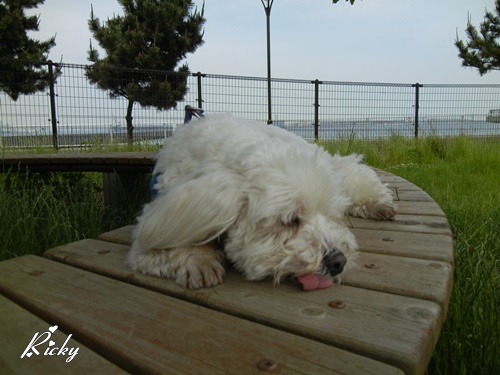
<point x="376" y="41"/>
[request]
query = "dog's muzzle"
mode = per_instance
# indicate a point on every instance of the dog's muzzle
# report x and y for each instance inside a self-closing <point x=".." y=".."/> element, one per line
<point x="334" y="262"/>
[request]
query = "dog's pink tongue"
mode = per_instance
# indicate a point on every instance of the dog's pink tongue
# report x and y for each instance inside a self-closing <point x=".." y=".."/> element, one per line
<point x="312" y="281"/>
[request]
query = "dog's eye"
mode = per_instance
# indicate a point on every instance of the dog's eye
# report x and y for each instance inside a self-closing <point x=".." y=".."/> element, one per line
<point x="295" y="221"/>
<point x="292" y="221"/>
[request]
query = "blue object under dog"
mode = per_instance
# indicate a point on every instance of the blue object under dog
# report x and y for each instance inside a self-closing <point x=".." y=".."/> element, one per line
<point x="154" y="180"/>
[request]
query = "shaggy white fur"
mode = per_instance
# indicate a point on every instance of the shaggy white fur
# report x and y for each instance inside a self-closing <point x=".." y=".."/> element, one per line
<point x="263" y="198"/>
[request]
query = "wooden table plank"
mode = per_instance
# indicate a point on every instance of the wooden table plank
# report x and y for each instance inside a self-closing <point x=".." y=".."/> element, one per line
<point x="397" y="330"/>
<point x="400" y="184"/>
<point x="389" y="178"/>
<point x="404" y="223"/>
<point x="419" y="208"/>
<point x="17" y="328"/>
<point x="412" y="195"/>
<point x="423" y="279"/>
<point x="146" y="332"/>
<point x="421" y="265"/>
<point x="122" y="235"/>
<point x="418" y="278"/>
<point x="405" y="244"/>
<point x="414" y="245"/>
<point x="410" y="276"/>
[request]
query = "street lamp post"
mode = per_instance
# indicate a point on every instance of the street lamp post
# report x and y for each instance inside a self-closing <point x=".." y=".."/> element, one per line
<point x="267" y="7"/>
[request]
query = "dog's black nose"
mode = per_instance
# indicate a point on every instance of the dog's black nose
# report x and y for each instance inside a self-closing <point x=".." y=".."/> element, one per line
<point x="334" y="262"/>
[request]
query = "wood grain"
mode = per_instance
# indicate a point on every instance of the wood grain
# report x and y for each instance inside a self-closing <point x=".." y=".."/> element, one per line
<point x="145" y="332"/>
<point x="391" y="328"/>
<point x="17" y="327"/>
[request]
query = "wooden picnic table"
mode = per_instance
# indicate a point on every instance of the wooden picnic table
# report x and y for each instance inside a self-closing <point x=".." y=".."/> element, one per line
<point x="385" y="317"/>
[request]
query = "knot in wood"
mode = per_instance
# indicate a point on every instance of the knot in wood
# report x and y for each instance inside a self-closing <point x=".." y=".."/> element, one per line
<point x="268" y="365"/>
<point x="36" y="272"/>
<point x="336" y="304"/>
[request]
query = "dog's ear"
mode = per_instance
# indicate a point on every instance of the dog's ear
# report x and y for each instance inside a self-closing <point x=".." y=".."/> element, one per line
<point x="191" y="212"/>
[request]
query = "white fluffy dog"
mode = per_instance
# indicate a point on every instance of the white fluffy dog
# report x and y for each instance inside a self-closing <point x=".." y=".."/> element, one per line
<point x="261" y="197"/>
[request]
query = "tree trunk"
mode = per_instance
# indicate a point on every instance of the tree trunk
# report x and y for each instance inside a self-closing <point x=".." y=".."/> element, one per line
<point x="129" y="118"/>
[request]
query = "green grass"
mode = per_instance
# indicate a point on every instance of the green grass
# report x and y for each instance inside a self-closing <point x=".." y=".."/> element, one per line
<point x="461" y="174"/>
<point x="40" y="211"/>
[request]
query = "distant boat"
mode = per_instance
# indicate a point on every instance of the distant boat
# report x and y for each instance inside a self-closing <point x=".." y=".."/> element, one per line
<point x="493" y="116"/>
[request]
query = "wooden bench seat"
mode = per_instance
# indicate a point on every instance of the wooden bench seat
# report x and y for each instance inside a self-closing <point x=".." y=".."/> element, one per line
<point x="146" y="332"/>
<point x="140" y="162"/>
<point x="125" y="174"/>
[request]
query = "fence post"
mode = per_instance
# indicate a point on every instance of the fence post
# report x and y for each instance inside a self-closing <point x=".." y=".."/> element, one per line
<point x="200" y="99"/>
<point x="417" y="100"/>
<point x="316" y="108"/>
<point x="52" y="95"/>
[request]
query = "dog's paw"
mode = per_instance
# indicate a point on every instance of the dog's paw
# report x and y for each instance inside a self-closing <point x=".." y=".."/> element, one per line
<point x="200" y="276"/>
<point x="193" y="267"/>
<point x="378" y="210"/>
<point x="201" y="270"/>
<point x="383" y="211"/>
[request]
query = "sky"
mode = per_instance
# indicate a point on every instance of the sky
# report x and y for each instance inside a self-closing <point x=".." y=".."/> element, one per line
<point x="389" y="41"/>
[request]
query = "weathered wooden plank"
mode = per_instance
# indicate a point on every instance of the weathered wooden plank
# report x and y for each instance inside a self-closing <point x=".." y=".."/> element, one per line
<point x="419" y="208"/>
<point x="122" y="235"/>
<point x="418" y="278"/>
<point x="146" y="332"/>
<point x="412" y="195"/>
<point x="140" y="157"/>
<point x="403" y="185"/>
<point x="96" y="158"/>
<point x="404" y="223"/>
<point x="387" y="177"/>
<point x="424" y="279"/>
<point x="404" y="190"/>
<point x="59" y="159"/>
<point x="130" y="158"/>
<point x="398" y="330"/>
<point x="374" y="324"/>
<point x="420" y="265"/>
<point x="17" y="328"/>
<point x="406" y="244"/>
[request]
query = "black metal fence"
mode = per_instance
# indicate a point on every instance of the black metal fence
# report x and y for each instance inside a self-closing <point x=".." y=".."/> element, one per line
<point x="72" y="112"/>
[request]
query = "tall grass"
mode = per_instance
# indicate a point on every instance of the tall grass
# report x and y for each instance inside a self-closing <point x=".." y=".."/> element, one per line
<point x="42" y="211"/>
<point x="463" y="176"/>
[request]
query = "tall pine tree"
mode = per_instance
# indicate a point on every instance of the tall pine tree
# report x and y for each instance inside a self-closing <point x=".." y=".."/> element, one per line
<point x="151" y="34"/>
<point x="17" y="75"/>
<point x="482" y="50"/>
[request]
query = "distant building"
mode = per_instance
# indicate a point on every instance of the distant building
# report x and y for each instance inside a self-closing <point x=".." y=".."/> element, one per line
<point x="493" y="116"/>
